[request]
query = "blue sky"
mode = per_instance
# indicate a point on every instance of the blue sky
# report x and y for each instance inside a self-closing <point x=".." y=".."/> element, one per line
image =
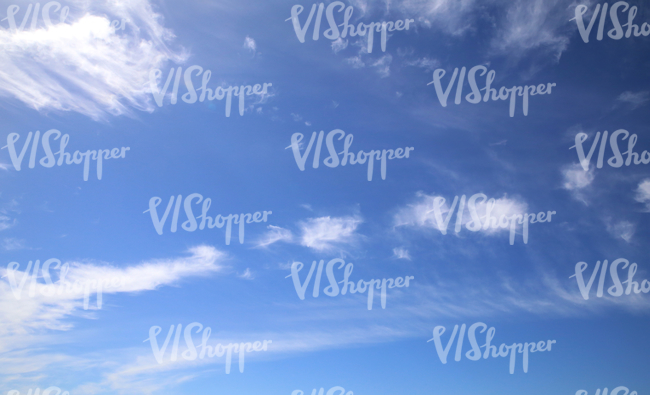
<point x="91" y="82"/>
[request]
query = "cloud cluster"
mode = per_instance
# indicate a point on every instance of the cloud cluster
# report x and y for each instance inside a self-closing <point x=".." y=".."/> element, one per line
<point x="320" y="234"/>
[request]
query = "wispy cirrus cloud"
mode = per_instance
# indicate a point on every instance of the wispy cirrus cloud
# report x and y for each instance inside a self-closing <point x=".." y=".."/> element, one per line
<point x="541" y="26"/>
<point x="621" y="229"/>
<point x="454" y="17"/>
<point x="274" y="235"/>
<point x="364" y="59"/>
<point x="26" y="323"/>
<point x="327" y="233"/>
<point x="339" y="44"/>
<point x="634" y="99"/>
<point x="42" y="305"/>
<point x="521" y="27"/>
<point x="84" y="65"/>
<point x="382" y="65"/>
<point x="421" y="215"/>
<point x="427" y="64"/>
<point x="410" y="313"/>
<point x="401" y="253"/>
<point x="7" y="214"/>
<point x="319" y="234"/>
<point x="12" y="244"/>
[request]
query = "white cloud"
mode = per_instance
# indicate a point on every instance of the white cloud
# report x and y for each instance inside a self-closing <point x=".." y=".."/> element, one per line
<point x="324" y="233"/>
<point x="533" y="25"/>
<point x="635" y="100"/>
<point x="383" y="65"/>
<point x="421" y="214"/>
<point x="410" y="314"/>
<point x="5" y="166"/>
<point x="274" y="235"/>
<point x="355" y="62"/>
<point x="360" y="6"/>
<point x="576" y="179"/>
<point x="425" y="63"/>
<point x="623" y="229"/>
<point x="85" y="65"/>
<point x="247" y="275"/>
<point x="339" y="44"/>
<point x="6" y="213"/>
<point x="6" y="222"/>
<point x="46" y="307"/>
<point x="26" y="323"/>
<point x="643" y="193"/>
<point x="298" y="329"/>
<point x="296" y="117"/>
<point x="401" y="253"/>
<point x="249" y="44"/>
<point x="418" y="214"/>
<point x="451" y="16"/>
<point x="522" y="27"/>
<point x="11" y="244"/>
